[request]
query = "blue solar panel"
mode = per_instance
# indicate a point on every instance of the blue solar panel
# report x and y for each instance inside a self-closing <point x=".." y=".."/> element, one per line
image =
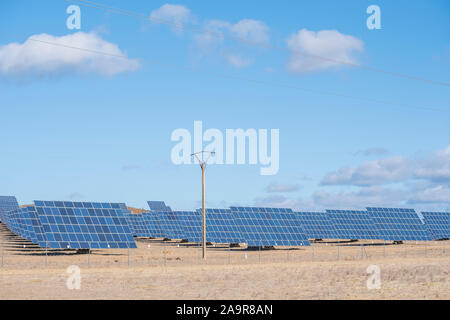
<point x="39" y="233"/>
<point x="353" y="224"/>
<point x="192" y="225"/>
<point x="153" y="225"/>
<point x="317" y="225"/>
<point x="171" y="224"/>
<point x="269" y="227"/>
<point x="221" y="226"/>
<point x="84" y="225"/>
<point x="399" y="224"/>
<point x="438" y="224"/>
<point x="158" y="206"/>
<point x="7" y="203"/>
<point x="138" y="225"/>
<point x="20" y="227"/>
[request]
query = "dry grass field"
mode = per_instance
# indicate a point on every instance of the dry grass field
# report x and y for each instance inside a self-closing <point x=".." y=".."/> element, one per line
<point x="158" y="270"/>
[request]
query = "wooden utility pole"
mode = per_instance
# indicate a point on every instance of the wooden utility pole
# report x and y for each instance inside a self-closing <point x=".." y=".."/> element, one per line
<point x="203" y="167"/>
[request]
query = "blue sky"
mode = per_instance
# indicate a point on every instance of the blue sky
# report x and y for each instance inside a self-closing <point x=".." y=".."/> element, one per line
<point x="82" y="126"/>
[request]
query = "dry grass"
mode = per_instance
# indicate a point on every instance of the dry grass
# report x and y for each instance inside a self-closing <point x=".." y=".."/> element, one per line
<point x="419" y="272"/>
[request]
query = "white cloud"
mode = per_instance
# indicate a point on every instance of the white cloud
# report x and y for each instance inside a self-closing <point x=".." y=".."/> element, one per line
<point x="419" y="183"/>
<point x="215" y="32"/>
<point x="359" y="199"/>
<point x="435" y="168"/>
<point x="238" y="61"/>
<point x="280" y="201"/>
<point x="432" y="195"/>
<point x="177" y="15"/>
<point x="381" y="171"/>
<point x="274" y="187"/>
<point x="330" y="44"/>
<point x="34" y="58"/>
<point x="251" y="30"/>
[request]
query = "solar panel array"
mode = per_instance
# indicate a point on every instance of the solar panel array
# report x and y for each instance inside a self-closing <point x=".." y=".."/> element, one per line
<point x="317" y="225"/>
<point x="399" y="224"/>
<point x="353" y="224"/>
<point x="83" y="225"/>
<point x="269" y="226"/>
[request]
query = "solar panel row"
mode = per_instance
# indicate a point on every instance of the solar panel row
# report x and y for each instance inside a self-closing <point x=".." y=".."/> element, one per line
<point x="438" y="224"/>
<point x="75" y="225"/>
<point x="65" y="224"/>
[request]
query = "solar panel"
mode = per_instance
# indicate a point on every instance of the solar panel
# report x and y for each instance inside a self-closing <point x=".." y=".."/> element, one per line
<point x="138" y="225"/>
<point x="39" y="233"/>
<point x="171" y="224"/>
<point x="353" y="224"/>
<point x="20" y="226"/>
<point x="153" y="225"/>
<point x="399" y="224"/>
<point x="438" y="224"/>
<point x="158" y="206"/>
<point x="7" y="203"/>
<point x="316" y="225"/>
<point x="221" y="226"/>
<point x="269" y="227"/>
<point x="9" y="218"/>
<point x="28" y="229"/>
<point x="84" y="225"/>
<point x="192" y="225"/>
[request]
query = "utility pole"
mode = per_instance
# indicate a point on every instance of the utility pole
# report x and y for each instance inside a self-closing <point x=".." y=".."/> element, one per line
<point x="203" y="167"/>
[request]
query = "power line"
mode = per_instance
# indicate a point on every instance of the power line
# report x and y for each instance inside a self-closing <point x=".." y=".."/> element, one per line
<point x="181" y="26"/>
<point x="234" y="77"/>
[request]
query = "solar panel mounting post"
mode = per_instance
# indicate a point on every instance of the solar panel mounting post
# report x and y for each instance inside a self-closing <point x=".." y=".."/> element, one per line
<point x="165" y="258"/>
<point x="339" y="249"/>
<point x="259" y="252"/>
<point x="46" y="253"/>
